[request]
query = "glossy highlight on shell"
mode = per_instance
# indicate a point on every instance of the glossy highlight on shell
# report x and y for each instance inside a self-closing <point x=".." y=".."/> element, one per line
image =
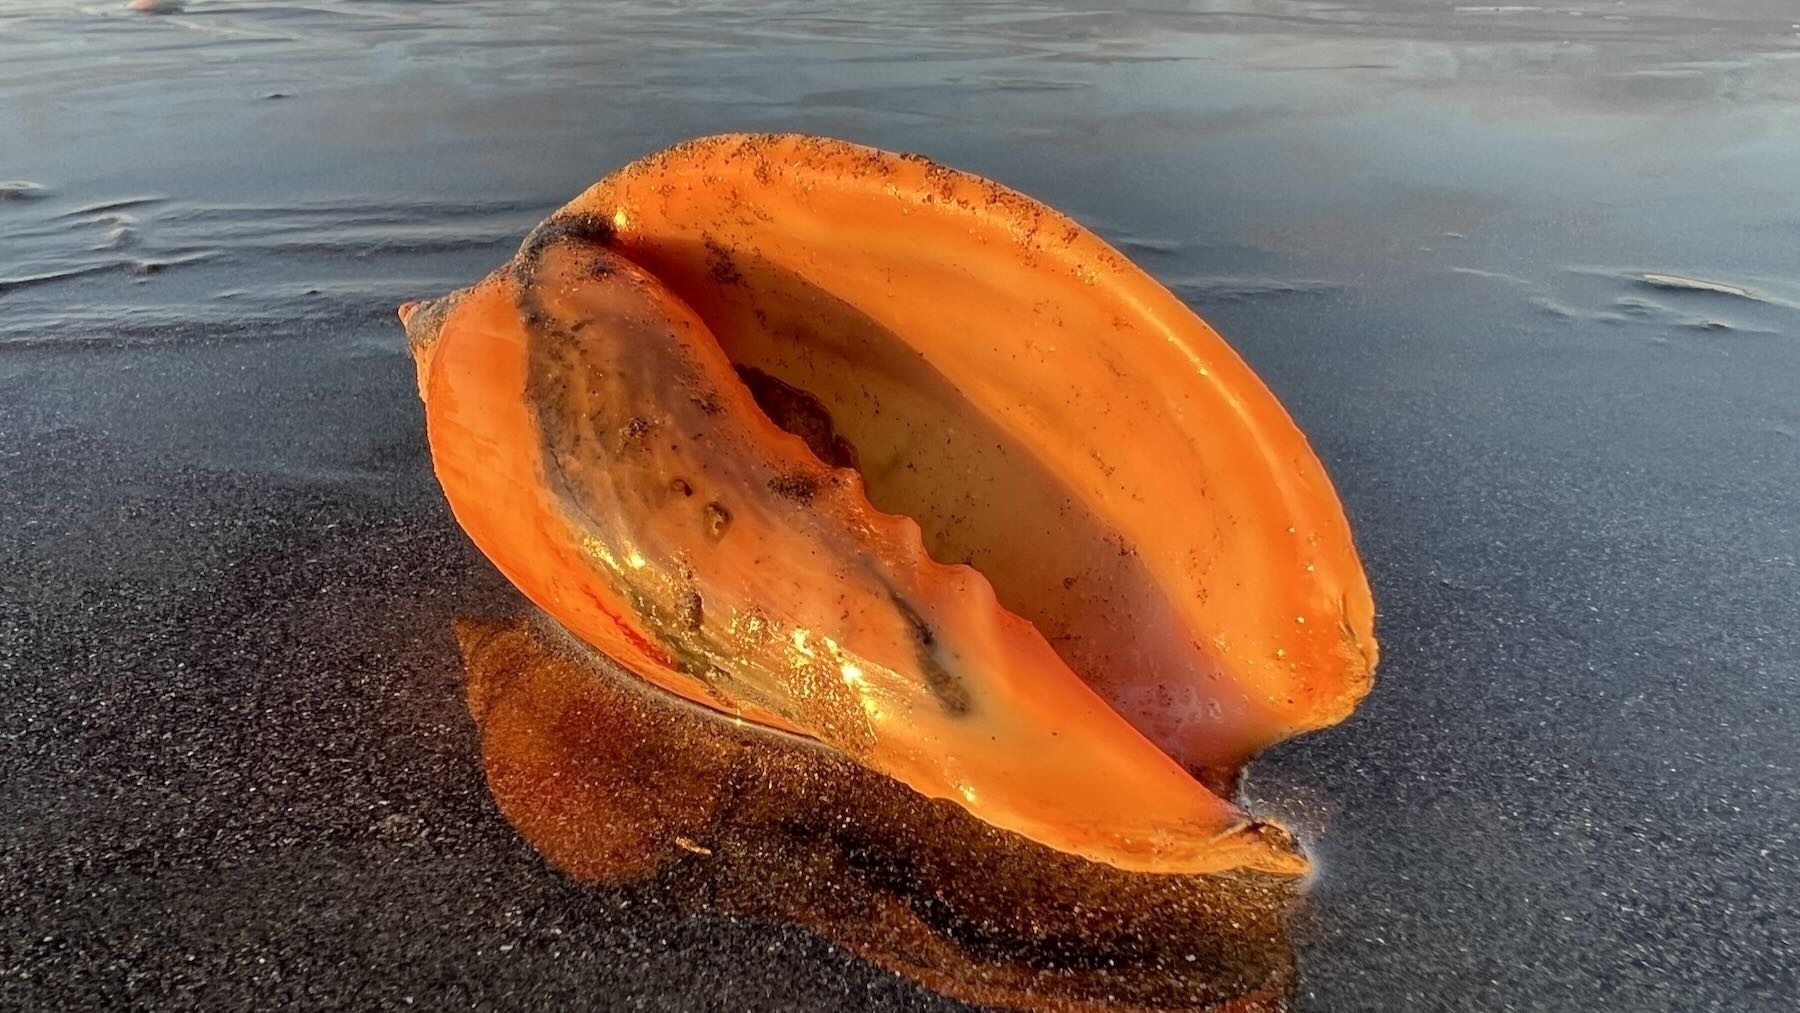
<point x="858" y="447"/>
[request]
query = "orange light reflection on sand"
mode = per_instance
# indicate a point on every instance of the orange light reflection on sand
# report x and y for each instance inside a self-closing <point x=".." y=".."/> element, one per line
<point x="616" y="783"/>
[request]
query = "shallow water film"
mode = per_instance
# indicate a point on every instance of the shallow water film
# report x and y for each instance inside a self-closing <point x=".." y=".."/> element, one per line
<point x="1526" y="275"/>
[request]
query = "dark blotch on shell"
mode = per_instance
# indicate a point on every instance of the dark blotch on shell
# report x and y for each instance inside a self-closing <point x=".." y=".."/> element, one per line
<point x="692" y="609"/>
<point x="564" y="227"/>
<point x="717" y="519"/>
<point x="634" y="433"/>
<point x="719" y="261"/>
<point x="801" y="413"/>
<point x="951" y="694"/>
<point x="795" y="485"/>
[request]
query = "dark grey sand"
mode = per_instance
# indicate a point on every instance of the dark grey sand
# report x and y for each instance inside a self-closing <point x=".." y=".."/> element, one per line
<point x="1529" y="277"/>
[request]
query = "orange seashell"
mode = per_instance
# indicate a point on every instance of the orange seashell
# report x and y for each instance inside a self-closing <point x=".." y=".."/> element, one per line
<point x="1153" y="575"/>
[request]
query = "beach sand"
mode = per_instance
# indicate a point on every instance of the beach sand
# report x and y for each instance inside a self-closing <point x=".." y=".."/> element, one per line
<point x="1527" y="279"/>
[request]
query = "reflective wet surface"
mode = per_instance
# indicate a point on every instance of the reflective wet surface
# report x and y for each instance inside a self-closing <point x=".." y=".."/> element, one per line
<point x="620" y="785"/>
<point x="1525" y="273"/>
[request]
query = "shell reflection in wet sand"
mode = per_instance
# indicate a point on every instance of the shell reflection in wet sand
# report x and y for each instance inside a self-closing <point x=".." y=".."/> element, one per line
<point x="615" y="782"/>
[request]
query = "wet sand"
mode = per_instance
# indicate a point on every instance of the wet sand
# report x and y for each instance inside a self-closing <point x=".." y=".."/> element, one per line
<point x="1527" y="278"/>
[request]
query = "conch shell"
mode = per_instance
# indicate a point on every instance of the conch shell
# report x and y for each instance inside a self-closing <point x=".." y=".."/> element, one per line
<point x="1028" y="536"/>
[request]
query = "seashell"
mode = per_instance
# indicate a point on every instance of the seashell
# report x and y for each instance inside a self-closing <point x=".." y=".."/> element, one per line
<point x="854" y="446"/>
